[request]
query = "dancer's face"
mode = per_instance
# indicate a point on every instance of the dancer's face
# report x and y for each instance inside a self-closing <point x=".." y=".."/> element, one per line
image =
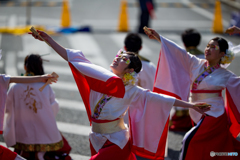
<point x="120" y="65"/>
<point x="212" y="52"/>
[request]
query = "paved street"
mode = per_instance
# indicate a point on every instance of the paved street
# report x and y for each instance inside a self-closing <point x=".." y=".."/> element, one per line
<point x="100" y="47"/>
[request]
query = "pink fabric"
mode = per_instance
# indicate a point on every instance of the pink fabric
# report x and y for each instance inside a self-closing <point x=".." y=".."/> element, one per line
<point x="4" y="82"/>
<point x="168" y="77"/>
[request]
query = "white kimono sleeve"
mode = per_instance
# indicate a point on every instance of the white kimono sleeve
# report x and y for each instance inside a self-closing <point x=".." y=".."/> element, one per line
<point x="9" y="120"/>
<point x="175" y="68"/>
<point x="149" y="113"/>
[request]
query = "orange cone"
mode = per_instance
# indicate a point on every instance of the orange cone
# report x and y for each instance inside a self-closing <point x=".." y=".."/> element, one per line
<point x="65" y="18"/>
<point x="217" y="21"/>
<point x="123" y="18"/>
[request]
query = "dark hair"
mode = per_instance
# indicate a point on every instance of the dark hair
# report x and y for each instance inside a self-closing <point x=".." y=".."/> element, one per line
<point x="33" y="63"/>
<point x="222" y="43"/>
<point x="191" y="37"/>
<point x="133" y="42"/>
<point x="135" y="63"/>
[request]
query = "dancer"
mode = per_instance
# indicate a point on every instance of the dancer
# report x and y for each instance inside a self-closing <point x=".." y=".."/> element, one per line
<point x="5" y="153"/>
<point x="133" y="43"/>
<point x="30" y="125"/>
<point x="206" y="79"/>
<point x="107" y="97"/>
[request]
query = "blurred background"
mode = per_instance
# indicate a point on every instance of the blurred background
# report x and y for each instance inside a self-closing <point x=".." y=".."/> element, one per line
<point x="98" y="28"/>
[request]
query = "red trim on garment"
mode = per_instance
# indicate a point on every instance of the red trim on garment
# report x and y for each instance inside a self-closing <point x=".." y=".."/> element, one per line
<point x="157" y="90"/>
<point x="102" y="121"/>
<point x="7" y="154"/>
<point x="233" y="115"/>
<point x="207" y="91"/>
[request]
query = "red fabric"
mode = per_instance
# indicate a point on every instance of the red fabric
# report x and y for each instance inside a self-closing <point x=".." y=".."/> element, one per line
<point x="66" y="147"/>
<point x="6" y="154"/>
<point x="110" y="151"/>
<point x="212" y="135"/>
<point x="181" y="123"/>
<point x="113" y="86"/>
<point x="233" y="115"/>
<point x="206" y="91"/>
<point x="1" y="132"/>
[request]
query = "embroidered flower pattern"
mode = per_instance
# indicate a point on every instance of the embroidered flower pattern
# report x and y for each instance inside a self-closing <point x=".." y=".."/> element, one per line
<point x="204" y="74"/>
<point x="98" y="109"/>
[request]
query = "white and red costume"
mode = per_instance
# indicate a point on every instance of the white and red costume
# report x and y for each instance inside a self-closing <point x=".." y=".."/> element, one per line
<point x="148" y="113"/>
<point x="217" y="131"/>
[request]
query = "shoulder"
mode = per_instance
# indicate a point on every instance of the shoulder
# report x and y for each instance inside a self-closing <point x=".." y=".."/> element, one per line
<point x="146" y="64"/>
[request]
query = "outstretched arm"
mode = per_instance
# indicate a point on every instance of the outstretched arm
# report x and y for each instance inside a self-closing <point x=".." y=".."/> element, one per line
<point x="199" y="107"/>
<point x="57" y="47"/>
<point x="31" y="79"/>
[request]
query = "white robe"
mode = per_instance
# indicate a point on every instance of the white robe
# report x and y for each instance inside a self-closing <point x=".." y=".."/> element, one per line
<point x="147" y="75"/>
<point x="4" y="83"/>
<point x="30" y="115"/>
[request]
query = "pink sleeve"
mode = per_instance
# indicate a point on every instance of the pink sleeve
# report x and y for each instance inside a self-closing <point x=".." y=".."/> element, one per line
<point x="4" y="83"/>
<point x="174" y="69"/>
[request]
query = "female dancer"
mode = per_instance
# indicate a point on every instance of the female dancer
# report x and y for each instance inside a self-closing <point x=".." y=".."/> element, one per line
<point x="4" y="83"/>
<point x="148" y="111"/>
<point x="206" y="79"/>
<point x="30" y="115"/>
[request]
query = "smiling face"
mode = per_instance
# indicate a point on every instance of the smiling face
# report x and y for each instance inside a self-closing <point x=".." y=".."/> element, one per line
<point x="120" y="65"/>
<point x="212" y="53"/>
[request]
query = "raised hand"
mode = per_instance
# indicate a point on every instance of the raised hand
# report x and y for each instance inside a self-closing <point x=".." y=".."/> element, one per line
<point x="232" y="30"/>
<point x="152" y="34"/>
<point x="40" y="35"/>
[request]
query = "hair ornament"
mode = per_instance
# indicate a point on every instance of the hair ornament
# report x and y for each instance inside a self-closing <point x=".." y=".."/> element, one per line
<point x="120" y="52"/>
<point x="130" y="78"/>
<point x="229" y="55"/>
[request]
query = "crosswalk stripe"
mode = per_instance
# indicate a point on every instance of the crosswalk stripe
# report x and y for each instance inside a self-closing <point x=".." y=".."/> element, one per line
<point x="73" y="156"/>
<point x="71" y="104"/>
<point x="74" y="128"/>
<point x="90" y="48"/>
<point x="119" y="40"/>
<point x="65" y="86"/>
